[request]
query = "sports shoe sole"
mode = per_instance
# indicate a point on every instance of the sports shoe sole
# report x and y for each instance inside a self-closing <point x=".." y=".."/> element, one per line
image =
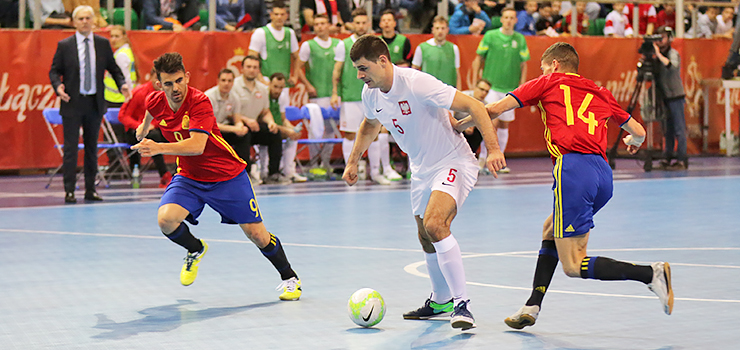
<point x="463" y="323"/>
<point x="667" y="272"/>
<point x="437" y="316"/>
<point x="524" y="321"/>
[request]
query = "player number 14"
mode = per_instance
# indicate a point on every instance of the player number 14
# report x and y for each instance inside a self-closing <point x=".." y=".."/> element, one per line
<point x="590" y="120"/>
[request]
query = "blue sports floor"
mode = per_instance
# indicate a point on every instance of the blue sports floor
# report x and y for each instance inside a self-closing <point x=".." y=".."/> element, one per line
<point x="102" y="276"/>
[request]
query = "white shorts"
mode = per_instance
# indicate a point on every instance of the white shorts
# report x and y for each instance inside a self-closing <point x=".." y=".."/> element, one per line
<point x="321" y="101"/>
<point x="351" y="116"/>
<point x="456" y="180"/>
<point x="494" y="96"/>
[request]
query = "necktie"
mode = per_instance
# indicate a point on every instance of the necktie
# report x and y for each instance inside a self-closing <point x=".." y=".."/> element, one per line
<point x="88" y="70"/>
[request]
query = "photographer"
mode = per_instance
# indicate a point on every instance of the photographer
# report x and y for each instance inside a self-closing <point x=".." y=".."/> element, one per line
<point x="669" y="81"/>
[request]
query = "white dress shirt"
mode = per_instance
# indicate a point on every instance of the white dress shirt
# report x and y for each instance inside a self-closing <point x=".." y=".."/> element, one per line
<point x="81" y="57"/>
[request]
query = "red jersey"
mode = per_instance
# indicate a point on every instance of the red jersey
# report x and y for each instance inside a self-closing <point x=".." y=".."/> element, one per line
<point x="219" y="161"/>
<point x="646" y="15"/>
<point x="574" y="110"/>
<point x="133" y="111"/>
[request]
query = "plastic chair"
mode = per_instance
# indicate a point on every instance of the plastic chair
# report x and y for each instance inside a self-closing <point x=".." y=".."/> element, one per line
<point x="53" y="118"/>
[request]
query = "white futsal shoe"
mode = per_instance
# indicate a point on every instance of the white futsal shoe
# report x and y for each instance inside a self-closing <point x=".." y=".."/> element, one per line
<point x="526" y="316"/>
<point x="661" y="285"/>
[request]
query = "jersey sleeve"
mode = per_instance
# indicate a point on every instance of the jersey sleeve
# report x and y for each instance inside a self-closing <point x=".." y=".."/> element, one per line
<point x="365" y="100"/>
<point x="433" y="92"/>
<point x="530" y="92"/>
<point x="201" y="115"/>
<point x="154" y="104"/>
<point x="523" y="48"/>
<point x="620" y="115"/>
<point x="456" y="49"/>
<point x="258" y="41"/>
<point x="339" y="52"/>
<point x="483" y="46"/>
<point x="417" y="57"/>
<point x="305" y="52"/>
<point x="293" y="41"/>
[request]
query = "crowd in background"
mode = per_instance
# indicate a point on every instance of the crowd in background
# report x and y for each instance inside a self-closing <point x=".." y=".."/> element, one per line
<point x="551" y="18"/>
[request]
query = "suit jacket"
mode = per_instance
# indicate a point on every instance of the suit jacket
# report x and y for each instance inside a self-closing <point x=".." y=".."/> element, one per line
<point x="65" y="69"/>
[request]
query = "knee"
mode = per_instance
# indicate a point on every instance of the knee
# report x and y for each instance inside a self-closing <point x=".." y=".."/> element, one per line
<point x="572" y="270"/>
<point x="167" y="223"/>
<point x="435" y="227"/>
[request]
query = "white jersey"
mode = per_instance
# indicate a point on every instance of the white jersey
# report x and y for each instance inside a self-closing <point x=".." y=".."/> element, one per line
<point x="415" y="112"/>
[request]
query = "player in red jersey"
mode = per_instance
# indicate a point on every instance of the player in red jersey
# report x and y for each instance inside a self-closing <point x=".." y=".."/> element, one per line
<point x="575" y="112"/>
<point x="209" y="172"/>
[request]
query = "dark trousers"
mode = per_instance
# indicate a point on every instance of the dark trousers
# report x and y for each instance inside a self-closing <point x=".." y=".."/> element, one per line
<point x="134" y="157"/>
<point x="243" y="144"/>
<point x="89" y="118"/>
<point x="675" y="130"/>
<point x="474" y="140"/>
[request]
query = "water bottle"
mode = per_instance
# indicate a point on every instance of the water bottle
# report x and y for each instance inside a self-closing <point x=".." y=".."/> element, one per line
<point x="298" y="127"/>
<point x="136" y="177"/>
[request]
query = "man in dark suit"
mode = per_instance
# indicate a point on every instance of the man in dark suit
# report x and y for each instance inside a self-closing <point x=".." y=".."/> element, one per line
<point x="77" y="77"/>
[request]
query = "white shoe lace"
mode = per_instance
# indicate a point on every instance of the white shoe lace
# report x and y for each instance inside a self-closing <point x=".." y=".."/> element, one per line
<point x="289" y="285"/>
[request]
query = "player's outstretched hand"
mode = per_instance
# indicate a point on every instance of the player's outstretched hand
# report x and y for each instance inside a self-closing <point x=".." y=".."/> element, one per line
<point x="495" y="162"/>
<point x="146" y="147"/>
<point x="350" y="174"/>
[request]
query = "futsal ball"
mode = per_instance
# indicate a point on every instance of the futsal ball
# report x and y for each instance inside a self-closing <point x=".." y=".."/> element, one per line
<point x="366" y="307"/>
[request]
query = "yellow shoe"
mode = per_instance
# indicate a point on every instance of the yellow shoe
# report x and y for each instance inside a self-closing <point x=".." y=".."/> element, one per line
<point x="291" y="289"/>
<point x="190" y="269"/>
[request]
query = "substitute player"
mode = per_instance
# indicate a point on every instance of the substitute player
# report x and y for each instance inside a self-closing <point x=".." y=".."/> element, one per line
<point x="575" y="112"/>
<point x="209" y="172"/>
<point x="413" y="106"/>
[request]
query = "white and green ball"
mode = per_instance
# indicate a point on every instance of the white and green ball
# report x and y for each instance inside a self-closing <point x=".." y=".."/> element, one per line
<point x="366" y="307"/>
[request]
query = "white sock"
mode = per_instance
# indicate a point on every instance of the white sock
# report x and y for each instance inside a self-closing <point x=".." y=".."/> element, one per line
<point x="451" y="265"/>
<point x="503" y="138"/>
<point x="385" y="152"/>
<point x="347" y="149"/>
<point x="440" y="291"/>
<point x="373" y="157"/>
<point x="290" y="148"/>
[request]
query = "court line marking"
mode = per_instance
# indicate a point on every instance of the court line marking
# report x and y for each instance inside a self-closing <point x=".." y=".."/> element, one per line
<point x="500" y="185"/>
<point x="413" y="267"/>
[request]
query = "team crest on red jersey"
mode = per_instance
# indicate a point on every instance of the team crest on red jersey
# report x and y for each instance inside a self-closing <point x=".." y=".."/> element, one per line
<point x="186" y="121"/>
<point x="405" y="107"/>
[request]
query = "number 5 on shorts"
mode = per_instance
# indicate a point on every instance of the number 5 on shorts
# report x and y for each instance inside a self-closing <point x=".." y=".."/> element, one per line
<point x="451" y="177"/>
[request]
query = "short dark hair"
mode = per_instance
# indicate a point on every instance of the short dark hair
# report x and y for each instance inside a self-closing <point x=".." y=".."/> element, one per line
<point x="369" y="47"/>
<point x="278" y="76"/>
<point x="321" y="15"/>
<point x="545" y="4"/>
<point x="388" y="12"/>
<point x="564" y="53"/>
<point x="169" y="63"/>
<point x="279" y="4"/>
<point x="225" y="71"/>
<point x="358" y="12"/>
<point x="251" y="57"/>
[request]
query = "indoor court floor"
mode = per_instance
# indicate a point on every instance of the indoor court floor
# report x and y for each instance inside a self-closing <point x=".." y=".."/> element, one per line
<point x="102" y="276"/>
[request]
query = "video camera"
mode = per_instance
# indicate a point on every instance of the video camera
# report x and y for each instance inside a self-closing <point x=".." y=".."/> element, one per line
<point x="648" y="63"/>
<point x="646" y="49"/>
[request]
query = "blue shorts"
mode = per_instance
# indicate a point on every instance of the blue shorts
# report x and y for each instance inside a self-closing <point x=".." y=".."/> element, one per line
<point x="233" y="199"/>
<point x="582" y="186"/>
